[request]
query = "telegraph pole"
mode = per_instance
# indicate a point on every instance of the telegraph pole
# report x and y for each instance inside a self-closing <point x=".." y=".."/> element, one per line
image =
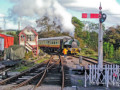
<point x="19" y="22"/>
<point x="4" y="23"/>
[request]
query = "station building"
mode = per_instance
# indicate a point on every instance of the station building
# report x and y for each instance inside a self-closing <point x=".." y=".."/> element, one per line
<point x="28" y="37"/>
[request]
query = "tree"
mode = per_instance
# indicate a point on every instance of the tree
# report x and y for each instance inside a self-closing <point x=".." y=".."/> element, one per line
<point x="78" y="27"/>
<point x="16" y="38"/>
<point x="90" y="26"/>
<point x="45" y="34"/>
<point x="45" y="23"/>
<point x="93" y="41"/>
<point x="108" y="50"/>
<point x="112" y="35"/>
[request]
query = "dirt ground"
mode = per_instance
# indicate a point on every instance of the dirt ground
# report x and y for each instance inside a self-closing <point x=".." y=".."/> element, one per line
<point x="77" y="80"/>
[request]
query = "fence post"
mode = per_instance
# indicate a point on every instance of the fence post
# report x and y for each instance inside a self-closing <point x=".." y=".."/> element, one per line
<point x="90" y="73"/>
<point x="107" y="72"/>
<point x="85" y="78"/>
<point x="80" y="59"/>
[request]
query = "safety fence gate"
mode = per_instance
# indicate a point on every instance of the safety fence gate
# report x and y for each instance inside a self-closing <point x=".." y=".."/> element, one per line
<point x="109" y="75"/>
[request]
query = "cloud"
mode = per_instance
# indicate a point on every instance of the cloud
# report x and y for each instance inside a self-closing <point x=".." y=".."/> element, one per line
<point x="53" y="8"/>
<point x="40" y="8"/>
<point x="2" y="15"/>
<point x="110" y="7"/>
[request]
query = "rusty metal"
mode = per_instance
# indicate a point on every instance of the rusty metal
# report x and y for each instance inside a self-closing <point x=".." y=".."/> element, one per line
<point x="44" y="74"/>
<point x="94" y="61"/>
<point x="22" y="73"/>
<point x="27" y="81"/>
<point x="63" y="77"/>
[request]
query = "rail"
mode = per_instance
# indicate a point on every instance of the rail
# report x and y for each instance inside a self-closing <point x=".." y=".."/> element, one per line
<point x="22" y="73"/>
<point x="44" y="73"/>
<point x="92" y="60"/>
<point x="63" y="77"/>
<point x="27" y="81"/>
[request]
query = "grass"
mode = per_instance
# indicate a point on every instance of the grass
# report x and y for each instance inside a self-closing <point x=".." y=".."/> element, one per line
<point x="42" y="60"/>
<point x="113" y="61"/>
<point x="87" y="52"/>
<point x="80" y="82"/>
<point x="23" y="67"/>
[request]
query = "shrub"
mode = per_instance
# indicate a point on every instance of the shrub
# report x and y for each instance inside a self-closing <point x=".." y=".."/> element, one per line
<point x="87" y="51"/>
<point x="117" y="54"/>
<point x="28" y="55"/>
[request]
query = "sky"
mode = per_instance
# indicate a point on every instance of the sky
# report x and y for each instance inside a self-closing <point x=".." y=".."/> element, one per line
<point x="28" y="10"/>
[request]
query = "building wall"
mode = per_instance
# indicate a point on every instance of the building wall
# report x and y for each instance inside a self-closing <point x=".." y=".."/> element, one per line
<point x="1" y="44"/>
<point x="28" y="33"/>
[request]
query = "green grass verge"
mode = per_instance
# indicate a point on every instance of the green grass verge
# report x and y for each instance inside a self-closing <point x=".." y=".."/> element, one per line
<point x="113" y="61"/>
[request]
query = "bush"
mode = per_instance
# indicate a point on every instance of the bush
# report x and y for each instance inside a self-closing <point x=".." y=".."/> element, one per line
<point x="28" y="55"/>
<point x="41" y="53"/>
<point x="117" y="54"/>
<point x="87" y="51"/>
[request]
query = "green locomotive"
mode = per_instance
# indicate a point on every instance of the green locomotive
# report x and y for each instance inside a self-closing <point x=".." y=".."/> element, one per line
<point x="55" y="44"/>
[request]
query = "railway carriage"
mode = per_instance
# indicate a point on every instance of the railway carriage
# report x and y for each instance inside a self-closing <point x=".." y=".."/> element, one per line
<point x="57" y="44"/>
<point x="5" y="42"/>
<point x="1" y="45"/>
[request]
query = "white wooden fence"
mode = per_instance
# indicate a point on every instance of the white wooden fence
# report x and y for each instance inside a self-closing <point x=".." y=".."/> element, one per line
<point x="109" y="75"/>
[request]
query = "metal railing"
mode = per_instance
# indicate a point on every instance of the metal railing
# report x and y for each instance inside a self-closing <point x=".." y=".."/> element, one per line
<point x="109" y="75"/>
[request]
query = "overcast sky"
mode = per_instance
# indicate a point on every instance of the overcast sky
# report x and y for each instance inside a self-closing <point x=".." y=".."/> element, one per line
<point x="20" y="8"/>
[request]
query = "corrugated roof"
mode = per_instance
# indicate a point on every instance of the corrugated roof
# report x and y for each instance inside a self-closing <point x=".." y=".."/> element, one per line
<point x="55" y="38"/>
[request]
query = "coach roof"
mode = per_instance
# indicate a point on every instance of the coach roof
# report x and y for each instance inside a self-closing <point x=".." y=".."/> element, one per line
<point x="56" y="38"/>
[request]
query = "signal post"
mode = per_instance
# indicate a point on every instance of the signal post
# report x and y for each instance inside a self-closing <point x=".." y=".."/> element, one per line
<point x="102" y="17"/>
<point x="100" y="38"/>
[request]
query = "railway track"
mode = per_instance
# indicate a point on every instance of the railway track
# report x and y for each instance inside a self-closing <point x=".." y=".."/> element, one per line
<point x="94" y="61"/>
<point x="53" y="74"/>
<point x="50" y="72"/>
<point x="91" y="60"/>
<point x="17" y="77"/>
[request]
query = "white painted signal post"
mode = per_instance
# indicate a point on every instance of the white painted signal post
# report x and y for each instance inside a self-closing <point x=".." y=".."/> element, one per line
<point x="102" y="17"/>
<point x="100" y="42"/>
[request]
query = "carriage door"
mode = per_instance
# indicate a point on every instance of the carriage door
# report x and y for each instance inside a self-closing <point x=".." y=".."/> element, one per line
<point x="61" y="44"/>
<point x="48" y="43"/>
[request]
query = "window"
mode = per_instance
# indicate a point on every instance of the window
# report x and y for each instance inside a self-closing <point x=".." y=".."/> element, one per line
<point x="30" y="37"/>
<point x="22" y="37"/>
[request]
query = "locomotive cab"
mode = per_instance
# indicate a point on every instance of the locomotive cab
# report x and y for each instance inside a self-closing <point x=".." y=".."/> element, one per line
<point x="72" y="46"/>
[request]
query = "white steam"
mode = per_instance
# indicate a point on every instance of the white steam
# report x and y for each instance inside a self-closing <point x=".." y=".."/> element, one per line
<point x="40" y="8"/>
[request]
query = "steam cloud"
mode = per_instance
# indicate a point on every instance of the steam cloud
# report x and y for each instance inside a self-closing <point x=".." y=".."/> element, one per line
<point x="39" y="8"/>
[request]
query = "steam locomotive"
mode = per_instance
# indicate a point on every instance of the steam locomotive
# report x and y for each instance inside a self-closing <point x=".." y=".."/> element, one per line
<point x="57" y="44"/>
